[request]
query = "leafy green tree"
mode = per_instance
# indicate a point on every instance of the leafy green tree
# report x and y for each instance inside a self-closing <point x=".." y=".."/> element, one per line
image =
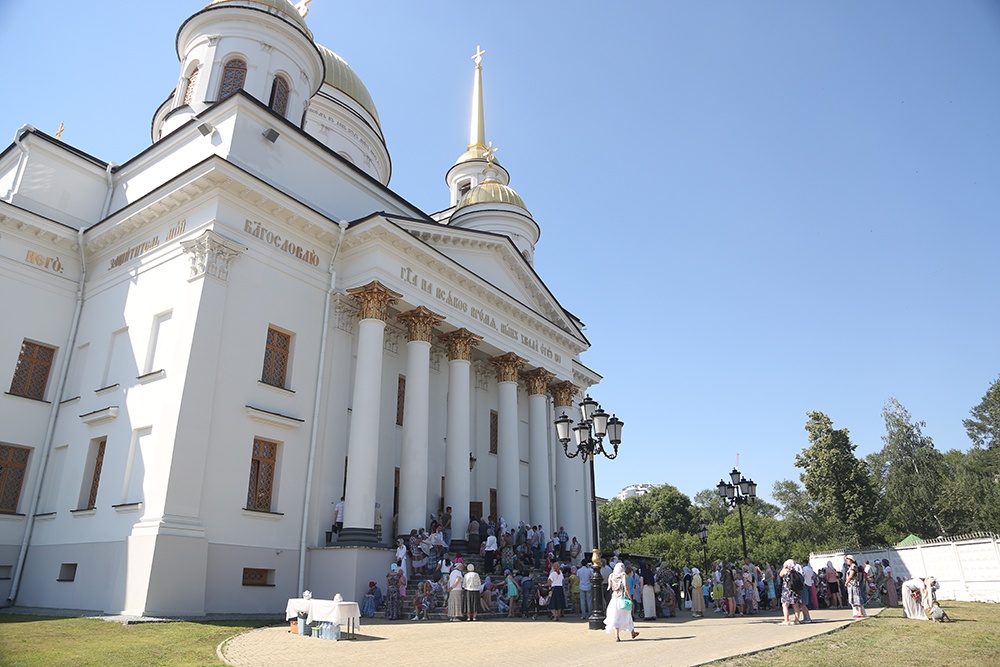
<point x="968" y="498"/>
<point x="908" y="475"/>
<point x="708" y="506"/>
<point x="799" y="515"/>
<point x="662" y="510"/>
<point x="838" y="482"/>
<point x="984" y="426"/>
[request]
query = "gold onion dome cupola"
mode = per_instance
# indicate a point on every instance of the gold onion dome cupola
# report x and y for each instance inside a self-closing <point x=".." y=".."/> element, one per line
<point x="492" y="191"/>
<point x="339" y="75"/>
<point x="282" y="8"/>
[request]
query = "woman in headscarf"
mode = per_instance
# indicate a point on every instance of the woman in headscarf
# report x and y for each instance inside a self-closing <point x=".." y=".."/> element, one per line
<point x="402" y="554"/>
<point x="890" y="584"/>
<point x="852" y="582"/>
<point x="471" y="584"/>
<point x="729" y="588"/>
<point x="455" y="579"/>
<point x="392" y="598"/>
<point x="490" y="555"/>
<point x="697" y="599"/>
<point x="371" y="601"/>
<point x="913" y="590"/>
<point x="616" y="618"/>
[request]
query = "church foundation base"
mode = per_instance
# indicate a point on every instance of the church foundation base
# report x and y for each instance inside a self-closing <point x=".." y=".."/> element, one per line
<point x="362" y="537"/>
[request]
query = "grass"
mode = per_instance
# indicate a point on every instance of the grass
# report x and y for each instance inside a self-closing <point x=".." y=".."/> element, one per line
<point x="891" y="640"/>
<point x="36" y="641"/>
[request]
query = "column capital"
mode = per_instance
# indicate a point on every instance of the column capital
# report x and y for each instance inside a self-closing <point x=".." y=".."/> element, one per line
<point x="460" y="343"/>
<point x="373" y="300"/>
<point x="538" y="380"/>
<point x="563" y="393"/>
<point x="211" y="254"/>
<point x="507" y="366"/>
<point x="420" y="322"/>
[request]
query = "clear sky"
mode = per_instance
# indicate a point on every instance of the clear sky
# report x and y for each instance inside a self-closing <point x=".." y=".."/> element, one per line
<point x="758" y="208"/>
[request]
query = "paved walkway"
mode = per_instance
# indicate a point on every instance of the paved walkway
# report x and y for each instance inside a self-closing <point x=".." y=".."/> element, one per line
<point x="677" y="641"/>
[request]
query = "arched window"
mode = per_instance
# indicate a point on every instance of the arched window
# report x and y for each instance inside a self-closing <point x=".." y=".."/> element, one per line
<point x="192" y="81"/>
<point x="233" y="77"/>
<point x="279" y="95"/>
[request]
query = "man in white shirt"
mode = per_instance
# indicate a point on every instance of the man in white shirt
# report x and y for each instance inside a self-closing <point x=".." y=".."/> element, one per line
<point x="809" y="577"/>
<point x="338" y="516"/>
<point x="585" y="574"/>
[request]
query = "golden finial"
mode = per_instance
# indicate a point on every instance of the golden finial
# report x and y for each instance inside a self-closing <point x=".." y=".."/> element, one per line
<point x="62" y="126"/>
<point x="490" y="153"/>
<point x="303" y="8"/>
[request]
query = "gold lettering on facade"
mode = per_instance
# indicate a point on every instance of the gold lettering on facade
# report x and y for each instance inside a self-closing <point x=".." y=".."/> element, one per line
<point x="259" y="231"/>
<point x="49" y="263"/>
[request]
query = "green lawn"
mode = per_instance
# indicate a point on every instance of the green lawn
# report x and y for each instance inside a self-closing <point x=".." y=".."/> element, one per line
<point x="36" y="641"/>
<point x="973" y="638"/>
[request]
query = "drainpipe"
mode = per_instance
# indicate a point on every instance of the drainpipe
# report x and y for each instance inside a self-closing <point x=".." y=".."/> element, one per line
<point x="9" y="197"/>
<point x="316" y="405"/>
<point x="50" y="429"/>
<point x="108" y="175"/>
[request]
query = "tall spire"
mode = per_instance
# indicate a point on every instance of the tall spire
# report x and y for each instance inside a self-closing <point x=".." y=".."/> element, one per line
<point x="477" y="130"/>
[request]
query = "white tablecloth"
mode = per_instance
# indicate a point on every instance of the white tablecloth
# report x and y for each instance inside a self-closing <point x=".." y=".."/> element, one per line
<point x="320" y="611"/>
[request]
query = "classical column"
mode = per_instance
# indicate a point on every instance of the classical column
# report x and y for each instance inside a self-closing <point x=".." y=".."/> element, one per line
<point x="539" y="482"/>
<point x="508" y="458"/>
<point x="413" y="465"/>
<point x="457" y="492"/>
<point x="572" y="492"/>
<point x="373" y="302"/>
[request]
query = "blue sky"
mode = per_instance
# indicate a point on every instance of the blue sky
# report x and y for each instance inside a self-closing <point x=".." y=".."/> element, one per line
<point x="759" y="209"/>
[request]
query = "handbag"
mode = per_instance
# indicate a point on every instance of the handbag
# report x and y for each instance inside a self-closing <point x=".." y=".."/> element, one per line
<point x="625" y="603"/>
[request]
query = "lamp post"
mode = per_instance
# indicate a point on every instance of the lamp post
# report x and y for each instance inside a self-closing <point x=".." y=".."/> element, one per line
<point x="737" y="493"/>
<point x="589" y="434"/>
<point x="703" y="536"/>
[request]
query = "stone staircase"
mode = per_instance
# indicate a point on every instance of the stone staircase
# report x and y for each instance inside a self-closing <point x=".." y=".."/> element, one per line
<point x="440" y="610"/>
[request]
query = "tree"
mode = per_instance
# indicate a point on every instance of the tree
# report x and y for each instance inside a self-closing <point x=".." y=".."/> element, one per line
<point x="709" y="506"/>
<point x="984" y="426"/>
<point x="969" y="496"/>
<point x="909" y="476"/>
<point x="662" y="510"/>
<point x="799" y="515"/>
<point x="838" y="482"/>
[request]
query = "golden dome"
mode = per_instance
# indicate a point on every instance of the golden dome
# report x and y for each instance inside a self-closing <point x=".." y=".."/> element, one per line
<point x="492" y="192"/>
<point x="283" y="7"/>
<point x="340" y="75"/>
<point x="476" y="152"/>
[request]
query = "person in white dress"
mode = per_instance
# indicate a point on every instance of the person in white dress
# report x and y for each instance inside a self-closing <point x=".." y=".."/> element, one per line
<point x="616" y="618"/>
<point x="912" y="591"/>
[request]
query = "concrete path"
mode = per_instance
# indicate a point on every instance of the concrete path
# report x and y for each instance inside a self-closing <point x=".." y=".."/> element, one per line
<point x="677" y="641"/>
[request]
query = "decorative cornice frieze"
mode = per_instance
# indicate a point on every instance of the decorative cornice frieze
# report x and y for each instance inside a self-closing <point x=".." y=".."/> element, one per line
<point x="460" y="343"/>
<point x="373" y="300"/>
<point x="211" y="255"/>
<point x="563" y="393"/>
<point x="537" y="380"/>
<point x="507" y="366"/>
<point x="420" y="323"/>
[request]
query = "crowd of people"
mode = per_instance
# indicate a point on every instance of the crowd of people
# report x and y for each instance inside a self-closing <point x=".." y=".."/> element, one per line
<point x="529" y="573"/>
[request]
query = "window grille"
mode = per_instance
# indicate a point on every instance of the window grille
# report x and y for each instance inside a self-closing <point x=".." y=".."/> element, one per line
<point x="13" y="465"/>
<point x="192" y="81"/>
<point x="262" y="466"/>
<point x="32" y="373"/>
<point x="279" y="95"/>
<point x="494" y="431"/>
<point x="400" y="399"/>
<point x="96" y="480"/>
<point x="234" y="75"/>
<point x="276" y="358"/>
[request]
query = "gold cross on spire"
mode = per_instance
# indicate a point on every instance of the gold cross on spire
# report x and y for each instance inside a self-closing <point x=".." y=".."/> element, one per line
<point x="479" y="55"/>
<point x="62" y="126"/>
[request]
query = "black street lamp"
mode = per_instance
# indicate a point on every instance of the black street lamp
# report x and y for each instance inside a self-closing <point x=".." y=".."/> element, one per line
<point x="703" y="536"/>
<point x="737" y="494"/>
<point x="589" y="434"/>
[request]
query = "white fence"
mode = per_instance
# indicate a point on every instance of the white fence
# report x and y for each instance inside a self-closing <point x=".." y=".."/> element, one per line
<point x="967" y="567"/>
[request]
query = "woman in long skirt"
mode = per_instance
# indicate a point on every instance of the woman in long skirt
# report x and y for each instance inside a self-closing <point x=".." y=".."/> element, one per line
<point x="616" y="618"/>
<point x="890" y="584"/>
<point x="470" y="585"/>
<point x="697" y="599"/>
<point x="455" y="579"/>
<point x="912" y="592"/>
<point x="392" y="600"/>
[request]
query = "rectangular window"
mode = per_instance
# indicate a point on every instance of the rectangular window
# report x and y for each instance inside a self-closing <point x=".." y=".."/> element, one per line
<point x="120" y="365"/>
<point x="262" y="468"/>
<point x="32" y="373"/>
<point x="256" y="576"/>
<point x="92" y="474"/>
<point x="400" y="399"/>
<point x="494" y="431"/>
<point x="67" y="572"/>
<point x="13" y="465"/>
<point x="161" y="340"/>
<point x="276" y="354"/>
<point x="5" y="571"/>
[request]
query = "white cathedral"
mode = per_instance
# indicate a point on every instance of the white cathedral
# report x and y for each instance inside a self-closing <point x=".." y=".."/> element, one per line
<point x="211" y="343"/>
